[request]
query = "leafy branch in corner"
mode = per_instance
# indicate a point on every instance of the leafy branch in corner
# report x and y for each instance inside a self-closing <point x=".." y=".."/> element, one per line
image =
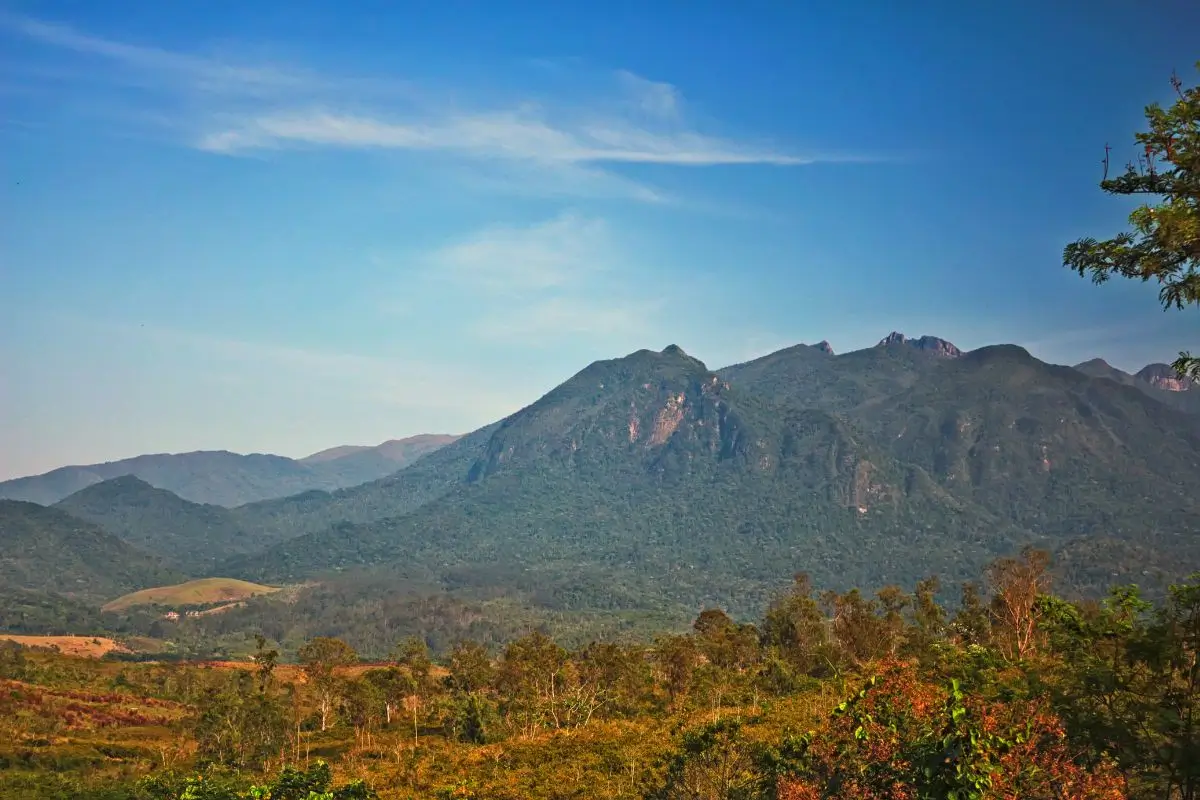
<point x="1164" y="243"/>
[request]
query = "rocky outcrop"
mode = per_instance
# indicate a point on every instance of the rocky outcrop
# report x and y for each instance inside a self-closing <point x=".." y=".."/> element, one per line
<point x="929" y="344"/>
<point x="1164" y="376"/>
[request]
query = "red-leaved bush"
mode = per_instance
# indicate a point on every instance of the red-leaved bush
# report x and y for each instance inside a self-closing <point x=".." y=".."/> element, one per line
<point x="906" y="738"/>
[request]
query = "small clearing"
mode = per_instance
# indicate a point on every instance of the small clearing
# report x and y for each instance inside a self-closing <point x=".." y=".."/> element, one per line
<point x="79" y="646"/>
<point x="205" y="591"/>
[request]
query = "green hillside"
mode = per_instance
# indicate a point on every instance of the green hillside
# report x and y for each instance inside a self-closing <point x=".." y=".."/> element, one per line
<point x="651" y="482"/>
<point x="189" y="535"/>
<point x="646" y="481"/>
<point x="228" y="479"/>
<point x="47" y="550"/>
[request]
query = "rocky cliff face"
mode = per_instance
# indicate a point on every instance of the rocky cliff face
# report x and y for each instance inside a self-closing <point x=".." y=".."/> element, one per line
<point x="1162" y="376"/>
<point x="930" y="344"/>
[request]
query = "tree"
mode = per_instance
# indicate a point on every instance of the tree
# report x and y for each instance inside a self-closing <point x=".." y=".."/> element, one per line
<point x="904" y="736"/>
<point x="1165" y="242"/>
<point x="795" y="626"/>
<point x="413" y="654"/>
<point x="1017" y="584"/>
<point x="531" y="677"/>
<point x="266" y="661"/>
<point x="320" y="658"/>
<point x="677" y="658"/>
<point x="238" y="725"/>
<point x="470" y="679"/>
<point x="363" y="701"/>
<point x="927" y="620"/>
<point x="723" y="642"/>
<point x="714" y="762"/>
<point x="972" y="623"/>
<point x="393" y="685"/>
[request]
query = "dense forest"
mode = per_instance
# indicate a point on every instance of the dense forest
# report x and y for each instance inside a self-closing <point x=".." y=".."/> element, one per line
<point x="1016" y="692"/>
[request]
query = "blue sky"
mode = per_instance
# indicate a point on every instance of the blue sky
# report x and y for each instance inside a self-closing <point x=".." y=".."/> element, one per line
<point x="282" y="226"/>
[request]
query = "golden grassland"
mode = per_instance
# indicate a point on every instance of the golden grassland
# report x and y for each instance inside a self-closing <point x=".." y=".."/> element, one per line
<point x="203" y="591"/>
<point x="101" y="720"/>
<point x="77" y="646"/>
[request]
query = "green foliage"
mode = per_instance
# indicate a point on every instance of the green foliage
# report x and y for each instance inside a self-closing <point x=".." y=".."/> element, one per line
<point x="645" y="485"/>
<point x="314" y="783"/>
<point x="47" y="550"/>
<point x="1164" y="244"/>
<point x="903" y="694"/>
<point x="713" y="762"/>
<point x="189" y="535"/>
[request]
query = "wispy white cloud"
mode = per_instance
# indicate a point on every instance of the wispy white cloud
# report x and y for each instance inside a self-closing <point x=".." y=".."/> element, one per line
<point x="570" y="144"/>
<point x="538" y="284"/>
<point x="654" y="98"/>
<point x="551" y="254"/>
<point x="517" y="134"/>
<point x="165" y="66"/>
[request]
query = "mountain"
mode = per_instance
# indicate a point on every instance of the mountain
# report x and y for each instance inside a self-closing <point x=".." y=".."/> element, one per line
<point x="352" y="465"/>
<point x="812" y="377"/>
<point x="426" y="479"/>
<point x="1159" y="381"/>
<point x="1049" y="449"/>
<point x="650" y="480"/>
<point x="228" y="479"/>
<point x="47" y="550"/>
<point x="929" y="344"/>
<point x="399" y="451"/>
<point x="189" y="535"/>
<point x="1164" y="376"/>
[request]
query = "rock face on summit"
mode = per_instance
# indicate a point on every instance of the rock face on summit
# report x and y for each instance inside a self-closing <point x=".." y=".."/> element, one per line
<point x="930" y="344"/>
<point x="1159" y="381"/>
<point x="1163" y="376"/>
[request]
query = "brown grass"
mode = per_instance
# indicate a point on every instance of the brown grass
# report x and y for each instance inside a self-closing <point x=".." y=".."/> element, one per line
<point x="79" y="646"/>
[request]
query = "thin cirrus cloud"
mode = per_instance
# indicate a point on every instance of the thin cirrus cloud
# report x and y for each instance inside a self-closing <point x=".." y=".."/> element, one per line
<point x="553" y="254"/>
<point x="523" y="134"/>
<point x="153" y="65"/>
<point x="564" y="277"/>
<point x="237" y="107"/>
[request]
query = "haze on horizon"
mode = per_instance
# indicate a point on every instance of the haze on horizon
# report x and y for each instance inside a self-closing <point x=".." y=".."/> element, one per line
<point x="283" y="227"/>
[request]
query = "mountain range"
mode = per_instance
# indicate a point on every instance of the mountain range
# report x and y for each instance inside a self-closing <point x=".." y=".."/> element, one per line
<point x="1159" y="381"/>
<point x="651" y="483"/>
<point x="230" y="479"/>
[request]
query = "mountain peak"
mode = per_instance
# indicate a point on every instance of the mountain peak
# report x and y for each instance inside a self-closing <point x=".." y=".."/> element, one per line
<point x="996" y="353"/>
<point x="125" y="482"/>
<point x="824" y="346"/>
<point x="1099" y="363"/>
<point x="674" y="350"/>
<point x="1164" y="376"/>
<point x="929" y="344"/>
